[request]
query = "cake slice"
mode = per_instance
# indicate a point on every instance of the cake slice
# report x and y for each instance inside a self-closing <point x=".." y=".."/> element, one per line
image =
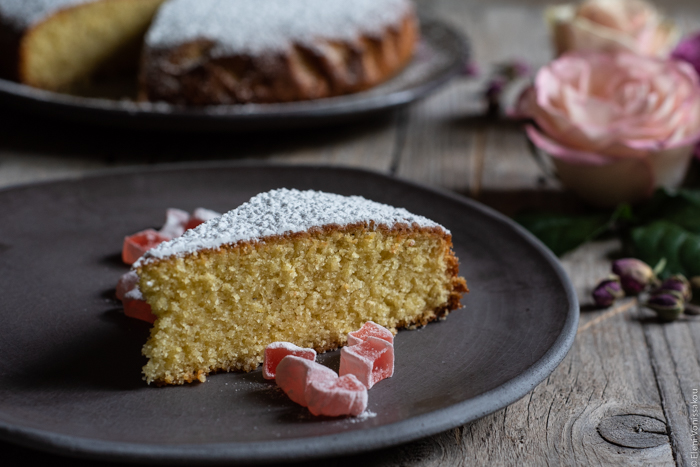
<point x="304" y="267"/>
<point x="57" y="44"/>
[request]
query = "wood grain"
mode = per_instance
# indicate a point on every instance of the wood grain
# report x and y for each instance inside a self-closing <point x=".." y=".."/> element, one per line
<point x="439" y="140"/>
<point x="675" y="354"/>
<point x="373" y="147"/>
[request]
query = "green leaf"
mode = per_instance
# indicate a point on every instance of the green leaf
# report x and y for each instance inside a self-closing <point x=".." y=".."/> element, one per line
<point x="623" y="212"/>
<point x="681" y="208"/>
<point x="663" y="239"/>
<point x="562" y="233"/>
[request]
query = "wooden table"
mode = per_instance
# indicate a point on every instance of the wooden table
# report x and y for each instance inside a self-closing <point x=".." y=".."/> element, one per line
<point x="622" y="395"/>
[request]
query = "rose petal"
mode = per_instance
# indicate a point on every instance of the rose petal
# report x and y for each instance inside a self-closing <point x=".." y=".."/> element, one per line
<point x="570" y="155"/>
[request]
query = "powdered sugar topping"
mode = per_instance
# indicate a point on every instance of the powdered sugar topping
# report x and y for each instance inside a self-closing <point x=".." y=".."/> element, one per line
<point x="363" y="416"/>
<point x="284" y="211"/>
<point x="254" y="26"/>
<point x="287" y="346"/>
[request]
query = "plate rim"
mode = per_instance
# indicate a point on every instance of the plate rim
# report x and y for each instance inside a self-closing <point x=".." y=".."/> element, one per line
<point x="313" y="448"/>
<point x="169" y="117"/>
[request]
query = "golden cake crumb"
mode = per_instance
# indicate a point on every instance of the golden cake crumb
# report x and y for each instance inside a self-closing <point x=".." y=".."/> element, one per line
<point x="217" y="309"/>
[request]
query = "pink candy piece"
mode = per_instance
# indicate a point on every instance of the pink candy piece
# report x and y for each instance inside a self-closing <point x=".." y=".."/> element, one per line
<point x="200" y="216"/>
<point x="136" y="245"/>
<point x="370" y="328"/>
<point x="127" y="282"/>
<point x="178" y="221"/>
<point x="275" y="352"/>
<point x="193" y="222"/>
<point x="205" y="214"/>
<point x="295" y="373"/>
<point x="129" y="293"/>
<point x="175" y="221"/>
<point x="371" y="361"/>
<point x="333" y="397"/>
<point x="136" y="307"/>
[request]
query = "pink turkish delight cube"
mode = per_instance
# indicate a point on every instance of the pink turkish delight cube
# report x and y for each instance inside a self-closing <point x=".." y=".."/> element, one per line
<point x="130" y="295"/>
<point x="370" y="361"/>
<point x="370" y="328"/>
<point x="127" y="283"/>
<point x="275" y="352"/>
<point x="345" y="395"/>
<point x="200" y="216"/>
<point x="136" y="245"/>
<point x="295" y="373"/>
<point x="136" y="307"/>
<point x="175" y="221"/>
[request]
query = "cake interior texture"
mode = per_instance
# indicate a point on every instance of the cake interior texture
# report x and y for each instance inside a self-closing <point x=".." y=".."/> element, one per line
<point x="218" y="309"/>
<point x="70" y="46"/>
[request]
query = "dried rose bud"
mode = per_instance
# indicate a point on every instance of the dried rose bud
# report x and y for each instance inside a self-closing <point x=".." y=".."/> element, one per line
<point x="677" y="284"/>
<point x="607" y="291"/>
<point x="635" y="275"/>
<point x="667" y="306"/>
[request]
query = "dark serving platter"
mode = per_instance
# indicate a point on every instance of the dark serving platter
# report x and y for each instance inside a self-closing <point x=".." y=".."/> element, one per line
<point x="70" y="361"/>
<point x="440" y="55"/>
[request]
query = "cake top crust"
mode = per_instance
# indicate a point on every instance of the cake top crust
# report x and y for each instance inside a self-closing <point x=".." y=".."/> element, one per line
<point x="284" y="211"/>
<point x="24" y="13"/>
<point x="255" y="26"/>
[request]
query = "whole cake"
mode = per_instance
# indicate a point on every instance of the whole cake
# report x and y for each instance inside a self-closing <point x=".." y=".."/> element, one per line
<point x="240" y="51"/>
<point x="57" y="44"/>
<point x="304" y="267"/>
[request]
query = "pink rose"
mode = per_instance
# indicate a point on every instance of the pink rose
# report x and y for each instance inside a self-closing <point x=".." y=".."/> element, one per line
<point x="611" y="25"/>
<point x="616" y="125"/>
<point x="689" y="50"/>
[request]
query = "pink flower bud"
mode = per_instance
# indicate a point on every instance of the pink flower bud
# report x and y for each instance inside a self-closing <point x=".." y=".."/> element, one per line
<point x="676" y="284"/>
<point x="667" y="307"/>
<point x="635" y="275"/>
<point x="607" y="291"/>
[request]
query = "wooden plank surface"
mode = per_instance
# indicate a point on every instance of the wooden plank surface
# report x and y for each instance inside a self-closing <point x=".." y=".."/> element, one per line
<point x="624" y="393"/>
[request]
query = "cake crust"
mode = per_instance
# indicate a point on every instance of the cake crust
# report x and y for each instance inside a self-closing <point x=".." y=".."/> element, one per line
<point x="207" y="69"/>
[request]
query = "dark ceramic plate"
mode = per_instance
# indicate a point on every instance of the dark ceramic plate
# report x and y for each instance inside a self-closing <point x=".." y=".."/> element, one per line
<point x="441" y="54"/>
<point x="70" y="361"/>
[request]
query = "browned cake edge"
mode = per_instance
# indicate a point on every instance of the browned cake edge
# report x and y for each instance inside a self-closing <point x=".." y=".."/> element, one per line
<point x="187" y="75"/>
<point x="457" y="284"/>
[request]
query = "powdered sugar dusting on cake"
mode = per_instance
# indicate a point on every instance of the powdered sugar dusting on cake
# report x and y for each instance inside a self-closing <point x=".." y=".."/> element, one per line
<point x="284" y="211"/>
<point x="24" y="13"/>
<point x="254" y="26"/>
